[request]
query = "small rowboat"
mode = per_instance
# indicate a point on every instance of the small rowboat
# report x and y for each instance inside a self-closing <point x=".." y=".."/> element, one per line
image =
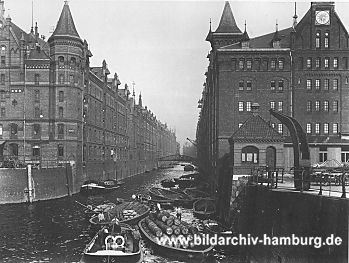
<point x="196" y="254"/>
<point x="189" y="167"/>
<point x="204" y="208"/>
<point x="127" y="213"/>
<point x="93" y="187"/>
<point x="202" y="186"/>
<point x="99" y="208"/>
<point x="167" y="183"/>
<point x="196" y="194"/>
<point x="215" y="228"/>
<point x="166" y="194"/>
<point x="114" y="245"/>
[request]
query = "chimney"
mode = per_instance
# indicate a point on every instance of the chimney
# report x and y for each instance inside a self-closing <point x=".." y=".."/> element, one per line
<point x="255" y="108"/>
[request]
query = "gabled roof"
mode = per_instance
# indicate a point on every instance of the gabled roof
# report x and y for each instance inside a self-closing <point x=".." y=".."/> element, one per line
<point x="38" y="54"/>
<point x="265" y="40"/>
<point x="227" y="23"/>
<point x="28" y="38"/>
<point x="98" y="71"/>
<point x="256" y="128"/>
<point x="65" y="25"/>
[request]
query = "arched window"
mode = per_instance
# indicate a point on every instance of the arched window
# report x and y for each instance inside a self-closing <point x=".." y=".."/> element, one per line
<point x="317" y="40"/>
<point x="250" y="155"/>
<point x="72" y="62"/>
<point x="61" y="61"/>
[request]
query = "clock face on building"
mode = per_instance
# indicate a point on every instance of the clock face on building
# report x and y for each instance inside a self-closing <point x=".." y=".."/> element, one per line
<point x="322" y="17"/>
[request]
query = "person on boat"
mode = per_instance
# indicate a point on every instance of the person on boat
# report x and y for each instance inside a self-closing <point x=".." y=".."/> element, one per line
<point x="158" y="207"/>
<point x="152" y="207"/>
<point x="116" y="226"/>
<point x="101" y="217"/>
<point x="103" y="233"/>
<point x="178" y="212"/>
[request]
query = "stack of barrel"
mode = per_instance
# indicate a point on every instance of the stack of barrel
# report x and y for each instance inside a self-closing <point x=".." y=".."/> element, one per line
<point x="164" y="223"/>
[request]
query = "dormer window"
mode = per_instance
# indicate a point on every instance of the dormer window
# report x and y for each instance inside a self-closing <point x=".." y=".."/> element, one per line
<point x="245" y="44"/>
<point x="276" y="44"/>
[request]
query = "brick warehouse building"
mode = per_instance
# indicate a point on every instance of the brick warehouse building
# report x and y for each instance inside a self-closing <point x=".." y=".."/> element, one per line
<point x="301" y="71"/>
<point x="56" y="108"/>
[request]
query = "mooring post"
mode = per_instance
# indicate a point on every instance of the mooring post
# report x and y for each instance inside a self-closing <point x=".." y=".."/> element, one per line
<point x="343" y="186"/>
<point x="30" y="185"/>
<point x="320" y="192"/>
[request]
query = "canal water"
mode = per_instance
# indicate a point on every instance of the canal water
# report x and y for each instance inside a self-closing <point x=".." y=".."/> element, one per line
<point x="58" y="230"/>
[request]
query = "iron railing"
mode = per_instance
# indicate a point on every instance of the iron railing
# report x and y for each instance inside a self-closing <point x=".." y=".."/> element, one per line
<point x="330" y="181"/>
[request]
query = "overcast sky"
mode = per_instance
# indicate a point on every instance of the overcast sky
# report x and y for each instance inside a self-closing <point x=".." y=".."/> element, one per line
<point x="159" y="45"/>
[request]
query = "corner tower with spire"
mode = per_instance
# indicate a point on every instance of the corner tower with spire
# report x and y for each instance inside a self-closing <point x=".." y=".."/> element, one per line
<point x="227" y="32"/>
<point x="66" y="77"/>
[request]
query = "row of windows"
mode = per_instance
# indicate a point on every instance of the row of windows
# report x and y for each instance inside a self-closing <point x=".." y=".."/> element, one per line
<point x="36" y="151"/>
<point x="37" y="95"/>
<point x="61" y="79"/>
<point x="72" y="62"/>
<point x="246" y="105"/>
<point x="275" y="64"/>
<point x="274" y="85"/>
<point x="318" y="63"/>
<point x="279" y="126"/>
<point x="325" y="83"/>
<point x="72" y="79"/>
<point x="344" y="157"/>
<point x="36" y="130"/>
<point x="310" y="128"/>
<point x="325" y="106"/>
<point x="316" y="128"/>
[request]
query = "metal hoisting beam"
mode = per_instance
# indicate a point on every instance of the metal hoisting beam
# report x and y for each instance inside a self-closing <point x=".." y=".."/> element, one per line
<point x="300" y="150"/>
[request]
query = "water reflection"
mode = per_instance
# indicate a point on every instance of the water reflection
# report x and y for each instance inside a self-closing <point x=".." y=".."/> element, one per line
<point x="58" y="230"/>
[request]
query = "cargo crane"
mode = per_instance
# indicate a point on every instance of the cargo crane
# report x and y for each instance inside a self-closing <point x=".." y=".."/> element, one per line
<point x="193" y="142"/>
<point x="301" y="152"/>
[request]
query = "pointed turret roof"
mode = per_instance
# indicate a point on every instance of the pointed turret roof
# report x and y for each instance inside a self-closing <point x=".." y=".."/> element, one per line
<point x="245" y="36"/>
<point x="227" y="23"/>
<point x="209" y="35"/>
<point x="65" y="25"/>
<point x="140" y="100"/>
<point x="276" y="36"/>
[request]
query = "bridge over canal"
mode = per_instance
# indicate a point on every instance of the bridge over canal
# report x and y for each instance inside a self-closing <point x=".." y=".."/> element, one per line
<point x="166" y="160"/>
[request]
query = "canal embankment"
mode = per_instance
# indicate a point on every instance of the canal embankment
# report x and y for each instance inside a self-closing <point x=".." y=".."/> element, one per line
<point x="262" y="211"/>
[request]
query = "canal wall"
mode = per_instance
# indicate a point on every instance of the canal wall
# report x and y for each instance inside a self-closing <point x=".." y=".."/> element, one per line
<point x="56" y="182"/>
<point x="280" y="213"/>
<point x="19" y="185"/>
